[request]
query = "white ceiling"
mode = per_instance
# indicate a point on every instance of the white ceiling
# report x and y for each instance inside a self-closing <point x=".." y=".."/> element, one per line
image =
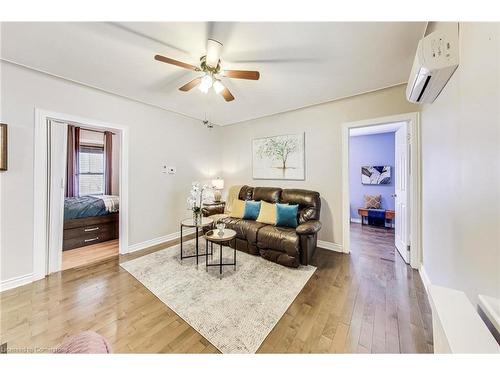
<point x="300" y="63"/>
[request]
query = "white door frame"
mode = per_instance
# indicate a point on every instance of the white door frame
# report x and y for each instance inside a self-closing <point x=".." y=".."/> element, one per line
<point x="41" y="254"/>
<point x="413" y="121"/>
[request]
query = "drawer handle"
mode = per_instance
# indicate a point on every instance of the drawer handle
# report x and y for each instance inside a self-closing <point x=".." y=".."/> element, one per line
<point x="91" y="239"/>
<point x="90" y="229"/>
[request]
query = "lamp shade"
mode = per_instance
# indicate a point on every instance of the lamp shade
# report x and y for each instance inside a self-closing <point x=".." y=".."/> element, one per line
<point x="218" y="183"/>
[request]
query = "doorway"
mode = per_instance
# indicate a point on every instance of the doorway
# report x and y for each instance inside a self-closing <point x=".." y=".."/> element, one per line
<point x="78" y="233"/>
<point x="84" y="179"/>
<point x="381" y="186"/>
<point x="377" y="181"/>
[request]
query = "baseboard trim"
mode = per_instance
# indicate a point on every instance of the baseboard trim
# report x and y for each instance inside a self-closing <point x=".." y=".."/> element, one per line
<point x="26" y="279"/>
<point x="355" y="220"/>
<point x="330" y="246"/>
<point x="159" y="240"/>
<point x="15" y="282"/>
<point x="425" y="280"/>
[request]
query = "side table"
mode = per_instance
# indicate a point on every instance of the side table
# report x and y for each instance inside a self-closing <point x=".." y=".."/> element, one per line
<point x="191" y="223"/>
<point x="213" y="236"/>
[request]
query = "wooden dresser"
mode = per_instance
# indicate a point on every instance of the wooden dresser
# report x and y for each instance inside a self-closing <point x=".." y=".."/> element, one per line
<point x="90" y="230"/>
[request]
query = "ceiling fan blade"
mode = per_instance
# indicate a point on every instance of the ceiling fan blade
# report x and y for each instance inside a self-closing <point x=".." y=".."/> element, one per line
<point x="191" y="84"/>
<point x="241" y="74"/>
<point x="175" y="62"/>
<point x="214" y="49"/>
<point x="227" y="95"/>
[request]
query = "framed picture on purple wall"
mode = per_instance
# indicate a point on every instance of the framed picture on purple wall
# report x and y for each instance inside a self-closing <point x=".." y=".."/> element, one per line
<point x="376" y="175"/>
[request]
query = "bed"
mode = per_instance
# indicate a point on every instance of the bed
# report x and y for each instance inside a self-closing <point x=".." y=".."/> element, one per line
<point x="90" y="219"/>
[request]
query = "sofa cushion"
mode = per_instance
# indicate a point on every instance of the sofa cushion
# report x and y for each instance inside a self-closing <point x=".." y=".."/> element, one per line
<point x="238" y="209"/>
<point x="246" y="193"/>
<point x="282" y="239"/>
<point x="268" y="194"/>
<point x="309" y="203"/>
<point x="247" y="230"/>
<point x="252" y="209"/>
<point x="218" y="217"/>
<point x="286" y="215"/>
<point x="267" y="214"/>
<point x="230" y="222"/>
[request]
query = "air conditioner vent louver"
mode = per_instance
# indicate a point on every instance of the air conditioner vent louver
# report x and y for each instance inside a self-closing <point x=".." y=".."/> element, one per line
<point x="423" y="88"/>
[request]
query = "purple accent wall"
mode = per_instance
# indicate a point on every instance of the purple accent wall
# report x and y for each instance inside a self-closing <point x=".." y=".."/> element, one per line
<point x="373" y="149"/>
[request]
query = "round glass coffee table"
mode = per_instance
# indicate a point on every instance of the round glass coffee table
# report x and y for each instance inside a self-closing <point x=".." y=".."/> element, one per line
<point x="198" y="224"/>
<point x="220" y="237"/>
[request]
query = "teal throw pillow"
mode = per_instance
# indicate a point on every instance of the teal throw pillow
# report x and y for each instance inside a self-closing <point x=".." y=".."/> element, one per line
<point x="252" y="209"/>
<point x="286" y="215"/>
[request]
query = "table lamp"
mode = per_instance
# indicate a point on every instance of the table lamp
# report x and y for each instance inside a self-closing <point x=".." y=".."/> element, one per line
<point x="218" y="185"/>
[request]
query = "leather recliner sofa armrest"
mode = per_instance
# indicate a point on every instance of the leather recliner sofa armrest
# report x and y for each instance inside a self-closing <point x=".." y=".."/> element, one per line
<point x="213" y="210"/>
<point x="309" y="227"/>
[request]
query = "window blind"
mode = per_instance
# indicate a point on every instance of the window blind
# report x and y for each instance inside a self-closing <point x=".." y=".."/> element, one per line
<point x="91" y="170"/>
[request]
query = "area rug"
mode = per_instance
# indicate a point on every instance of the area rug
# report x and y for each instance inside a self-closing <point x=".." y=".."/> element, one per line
<point x="235" y="311"/>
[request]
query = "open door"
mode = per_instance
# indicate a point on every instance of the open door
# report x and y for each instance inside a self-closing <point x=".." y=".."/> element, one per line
<point x="401" y="190"/>
<point x="57" y="179"/>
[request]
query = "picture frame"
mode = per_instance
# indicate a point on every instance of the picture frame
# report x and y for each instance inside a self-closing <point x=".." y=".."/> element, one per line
<point x="279" y="157"/>
<point x="376" y="175"/>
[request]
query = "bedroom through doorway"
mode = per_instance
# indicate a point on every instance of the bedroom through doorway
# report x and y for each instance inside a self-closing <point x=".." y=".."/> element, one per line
<point x="379" y="190"/>
<point x="84" y="196"/>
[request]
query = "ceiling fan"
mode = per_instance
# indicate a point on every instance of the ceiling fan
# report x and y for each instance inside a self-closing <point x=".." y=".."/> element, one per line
<point x="211" y="71"/>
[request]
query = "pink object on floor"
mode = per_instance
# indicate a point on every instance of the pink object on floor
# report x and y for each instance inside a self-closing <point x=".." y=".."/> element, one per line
<point x="88" y="342"/>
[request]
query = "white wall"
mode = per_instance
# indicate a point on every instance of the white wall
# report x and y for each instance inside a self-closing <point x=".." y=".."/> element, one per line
<point x="156" y="200"/>
<point x="322" y="125"/>
<point x="461" y="169"/>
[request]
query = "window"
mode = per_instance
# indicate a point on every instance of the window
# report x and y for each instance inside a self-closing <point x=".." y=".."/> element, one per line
<point x="91" y="170"/>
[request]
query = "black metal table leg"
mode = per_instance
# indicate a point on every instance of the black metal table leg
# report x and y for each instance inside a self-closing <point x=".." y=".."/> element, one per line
<point x="181" y="241"/>
<point x="220" y="258"/>
<point x="196" y="245"/>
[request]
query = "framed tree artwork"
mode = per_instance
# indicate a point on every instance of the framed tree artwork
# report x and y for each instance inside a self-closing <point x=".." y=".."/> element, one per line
<point x="279" y="157"/>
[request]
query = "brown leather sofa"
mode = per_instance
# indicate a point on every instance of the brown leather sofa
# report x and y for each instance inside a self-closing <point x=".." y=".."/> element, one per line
<point x="287" y="246"/>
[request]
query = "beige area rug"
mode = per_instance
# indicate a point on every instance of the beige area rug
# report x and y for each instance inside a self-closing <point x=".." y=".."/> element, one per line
<point x="235" y="311"/>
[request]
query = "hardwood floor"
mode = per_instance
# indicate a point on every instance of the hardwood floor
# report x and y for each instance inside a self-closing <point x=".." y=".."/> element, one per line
<point x="368" y="301"/>
<point x="91" y="254"/>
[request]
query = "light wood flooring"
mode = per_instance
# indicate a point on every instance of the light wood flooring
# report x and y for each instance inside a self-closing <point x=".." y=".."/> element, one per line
<point x="368" y="301"/>
<point x="88" y="255"/>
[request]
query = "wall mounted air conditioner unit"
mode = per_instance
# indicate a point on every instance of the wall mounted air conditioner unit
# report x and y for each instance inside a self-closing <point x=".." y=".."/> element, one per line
<point x="435" y="62"/>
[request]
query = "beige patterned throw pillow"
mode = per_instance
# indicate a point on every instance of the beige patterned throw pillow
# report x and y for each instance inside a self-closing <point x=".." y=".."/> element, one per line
<point x="372" y="201"/>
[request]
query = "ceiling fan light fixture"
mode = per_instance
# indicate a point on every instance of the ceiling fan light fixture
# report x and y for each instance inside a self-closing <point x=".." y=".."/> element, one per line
<point x="214" y="49"/>
<point x="218" y="86"/>
<point x="210" y="72"/>
<point x="206" y="82"/>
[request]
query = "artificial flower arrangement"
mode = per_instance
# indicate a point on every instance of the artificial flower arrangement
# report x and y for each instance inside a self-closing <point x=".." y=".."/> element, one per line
<point x="195" y="199"/>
